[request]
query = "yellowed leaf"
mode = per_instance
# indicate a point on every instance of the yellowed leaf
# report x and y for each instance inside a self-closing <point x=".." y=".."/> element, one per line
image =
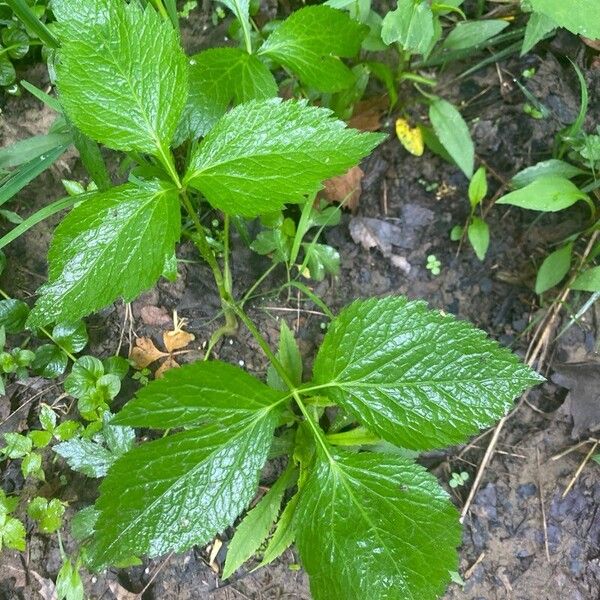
<point x="168" y="364"/>
<point x="177" y="339"/>
<point x="410" y="137"/>
<point x="145" y="353"/>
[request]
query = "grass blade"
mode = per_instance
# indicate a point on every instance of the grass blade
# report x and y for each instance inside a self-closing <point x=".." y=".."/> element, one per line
<point x="23" y="11"/>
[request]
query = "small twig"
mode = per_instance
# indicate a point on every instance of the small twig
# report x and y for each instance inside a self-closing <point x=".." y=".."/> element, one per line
<point x="294" y="310"/>
<point x="472" y="568"/>
<point x="580" y="468"/>
<point x="154" y="575"/>
<point x="541" y="494"/>
<point x="573" y="448"/>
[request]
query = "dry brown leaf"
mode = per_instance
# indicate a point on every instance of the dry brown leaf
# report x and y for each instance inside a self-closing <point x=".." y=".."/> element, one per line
<point x="368" y="113"/>
<point x="345" y="189"/>
<point x="120" y="593"/>
<point x="145" y="353"/>
<point x="168" y="364"/>
<point x="47" y="588"/>
<point x="217" y="545"/>
<point x="594" y="44"/>
<point x="177" y="339"/>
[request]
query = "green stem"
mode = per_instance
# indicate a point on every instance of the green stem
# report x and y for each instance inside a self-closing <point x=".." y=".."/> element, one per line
<point x="255" y="285"/>
<point x="228" y="280"/>
<point x="166" y="159"/>
<point x="161" y="9"/>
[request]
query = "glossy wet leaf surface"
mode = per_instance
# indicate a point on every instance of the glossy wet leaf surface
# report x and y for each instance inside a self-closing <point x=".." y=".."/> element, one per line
<point x="418" y="378"/>
<point x="377" y="525"/>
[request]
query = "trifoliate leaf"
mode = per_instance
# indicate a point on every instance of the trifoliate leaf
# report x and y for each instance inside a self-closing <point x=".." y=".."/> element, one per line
<point x="378" y="525"/>
<point x="266" y="153"/>
<point x="310" y="43"/>
<point x="179" y="491"/>
<point x="47" y="514"/>
<point x="124" y="82"/>
<point x="419" y="378"/>
<point x="112" y="245"/>
<point x="220" y="78"/>
<point x="411" y="25"/>
<point x="197" y="393"/>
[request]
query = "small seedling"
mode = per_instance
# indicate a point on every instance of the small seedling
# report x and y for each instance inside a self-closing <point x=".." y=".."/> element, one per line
<point x="458" y="479"/>
<point x="434" y="265"/>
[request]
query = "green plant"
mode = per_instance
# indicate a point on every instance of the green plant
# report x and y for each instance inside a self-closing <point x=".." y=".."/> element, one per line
<point x="433" y="265"/>
<point x="458" y="479"/>
<point x="12" y="530"/>
<point x="16" y="40"/>
<point x="393" y="375"/>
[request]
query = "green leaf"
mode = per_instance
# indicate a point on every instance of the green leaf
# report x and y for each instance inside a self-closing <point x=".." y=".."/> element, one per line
<point x="68" y="583"/>
<point x="310" y="43"/>
<point x="419" y="378"/>
<point x="116" y="365"/>
<point x="47" y="514"/>
<point x="552" y="167"/>
<point x="548" y="193"/>
<point x="284" y="534"/>
<point x="112" y="245"/>
<point x="255" y="526"/>
<point x="7" y="72"/>
<point x="322" y="260"/>
<point x="84" y="376"/>
<point x="50" y="361"/>
<point x="47" y="418"/>
<point x="179" y="491"/>
<point x="266" y="153"/>
<point x="411" y="25"/>
<point x="124" y="82"/>
<point x="453" y="133"/>
<point x="17" y="445"/>
<point x="378" y="525"/>
<point x="197" y="393"/>
<point x="290" y="358"/>
<point x="13" y="315"/>
<point x="468" y="34"/>
<point x="579" y="16"/>
<point x="118" y="439"/>
<point x="220" y="78"/>
<point x="554" y="268"/>
<point x="31" y="465"/>
<point x="538" y="26"/>
<point x="40" y="438"/>
<point x="76" y="17"/>
<point x="478" y="187"/>
<point x="588" y="281"/>
<point x="16" y="41"/>
<point x="478" y="233"/>
<point x="72" y="337"/>
<point x="86" y="456"/>
<point x="83" y="523"/>
<point x="12" y="533"/>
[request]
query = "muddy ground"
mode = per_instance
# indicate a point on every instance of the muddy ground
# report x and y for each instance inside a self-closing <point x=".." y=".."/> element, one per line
<point x="522" y="539"/>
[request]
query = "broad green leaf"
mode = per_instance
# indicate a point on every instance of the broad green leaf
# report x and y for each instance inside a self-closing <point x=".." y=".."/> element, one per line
<point x="478" y="233"/>
<point x="321" y="260"/>
<point x="378" y="525"/>
<point x="17" y="445"/>
<point x="76" y="17"/>
<point x="84" y="376"/>
<point x="50" y="361"/>
<point x="112" y="245"/>
<point x="124" y="82"/>
<point x="290" y="358"/>
<point x="7" y="72"/>
<point x="86" y="456"/>
<point x="218" y="79"/>
<point x="468" y="34"/>
<point x="478" y="187"/>
<point x="181" y="490"/>
<point x="538" y="26"/>
<point x="16" y="42"/>
<point x="31" y="466"/>
<point x="266" y="153"/>
<point x="552" y="167"/>
<point x="453" y="133"/>
<point x="197" y="393"/>
<point x="47" y="418"/>
<point x="554" y="269"/>
<point x="419" y="378"/>
<point x="588" y="281"/>
<point x="310" y="43"/>
<point x="411" y="25"/>
<point x="13" y="315"/>
<point x="48" y="514"/>
<point x="255" y="526"/>
<point x="578" y="16"/>
<point x="72" y="337"/>
<point x="548" y="193"/>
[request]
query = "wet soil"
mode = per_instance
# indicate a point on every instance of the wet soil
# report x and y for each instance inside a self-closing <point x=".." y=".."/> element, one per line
<point x="522" y="539"/>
